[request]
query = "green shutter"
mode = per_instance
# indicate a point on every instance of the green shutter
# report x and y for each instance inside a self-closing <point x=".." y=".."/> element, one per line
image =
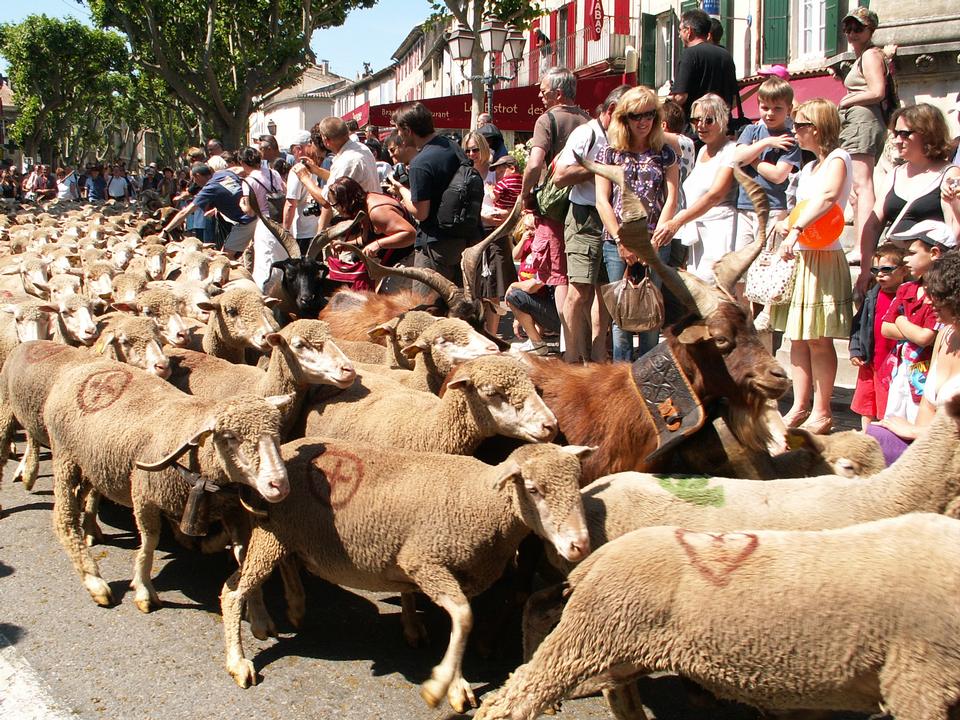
<point x="648" y="49"/>
<point x="726" y="18"/>
<point x="831" y="27"/>
<point x="775" y="31"/>
<point x="689" y="5"/>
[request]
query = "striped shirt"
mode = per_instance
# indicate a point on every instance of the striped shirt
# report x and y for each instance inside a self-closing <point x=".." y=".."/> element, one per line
<point x="507" y="190"/>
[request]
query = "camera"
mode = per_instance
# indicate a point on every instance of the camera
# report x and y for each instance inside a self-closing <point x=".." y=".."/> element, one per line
<point x="313" y="208"/>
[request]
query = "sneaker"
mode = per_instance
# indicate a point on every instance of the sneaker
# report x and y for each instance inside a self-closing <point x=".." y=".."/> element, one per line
<point x="524" y="346"/>
<point x="762" y="321"/>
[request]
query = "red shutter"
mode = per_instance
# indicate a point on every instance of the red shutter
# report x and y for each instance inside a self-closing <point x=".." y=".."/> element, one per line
<point x="552" y="58"/>
<point x="621" y="17"/>
<point x="572" y="35"/>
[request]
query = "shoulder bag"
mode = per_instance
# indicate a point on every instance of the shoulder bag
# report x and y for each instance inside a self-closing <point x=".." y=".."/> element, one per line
<point x="770" y="278"/>
<point x="634" y="306"/>
<point x="552" y="201"/>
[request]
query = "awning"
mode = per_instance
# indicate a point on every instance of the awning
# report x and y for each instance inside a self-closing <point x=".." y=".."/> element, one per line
<point x="361" y="114"/>
<point x="804" y="88"/>
<point x="513" y="108"/>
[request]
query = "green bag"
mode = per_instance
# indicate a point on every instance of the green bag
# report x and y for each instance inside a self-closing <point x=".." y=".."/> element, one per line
<point x="553" y="202"/>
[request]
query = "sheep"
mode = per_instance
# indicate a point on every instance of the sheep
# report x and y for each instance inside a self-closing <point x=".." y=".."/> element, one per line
<point x="239" y="319"/>
<point x="73" y="320"/>
<point x="127" y="285"/>
<point x="155" y="259"/>
<point x="440" y="346"/>
<point x="122" y="429"/>
<point x="853" y="619"/>
<point x="163" y="306"/>
<point x="391" y="520"/>
<point x="850" y="453"/>
<point x="303" y="354"/>
<point x="398" y="333"/>
<point x="484" y="397"/>
<point x="63" y="285"/>
<point x="98" y="279"/>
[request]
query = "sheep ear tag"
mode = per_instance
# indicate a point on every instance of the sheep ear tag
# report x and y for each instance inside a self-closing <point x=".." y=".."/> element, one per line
<point x="716" y="556"/>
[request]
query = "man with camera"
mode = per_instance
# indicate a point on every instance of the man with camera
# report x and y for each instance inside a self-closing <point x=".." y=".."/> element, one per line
<point x="301" y="213"/>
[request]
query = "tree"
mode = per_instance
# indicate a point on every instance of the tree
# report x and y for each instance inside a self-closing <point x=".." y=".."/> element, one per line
<point x="219" y="58"/>
<point x="519" y="13"/>
<point x="64" y="74"/>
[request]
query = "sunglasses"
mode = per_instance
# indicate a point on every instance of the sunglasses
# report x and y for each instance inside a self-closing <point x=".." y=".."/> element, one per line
<point x="708" y="121"/>
<point x="472" y="150"/>
<point x="853" y="29"/>
<point x="645" y="115"/>
<point x="884" y="269"/>
<point x="799" y="125"/>
<point x="902" y="134"/>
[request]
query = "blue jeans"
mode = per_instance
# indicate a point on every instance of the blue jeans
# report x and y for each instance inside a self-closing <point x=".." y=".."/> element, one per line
<point x="622" y="340"/>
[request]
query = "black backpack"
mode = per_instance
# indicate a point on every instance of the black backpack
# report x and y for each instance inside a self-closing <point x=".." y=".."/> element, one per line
<point x="459" y="211"/>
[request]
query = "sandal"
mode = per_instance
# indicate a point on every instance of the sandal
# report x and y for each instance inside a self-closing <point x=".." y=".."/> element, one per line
<point x="820" y="426"/>
<point x="792" y="420"/>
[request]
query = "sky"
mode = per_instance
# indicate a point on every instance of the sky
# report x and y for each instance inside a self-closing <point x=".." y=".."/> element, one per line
<point x="369" y="34"/>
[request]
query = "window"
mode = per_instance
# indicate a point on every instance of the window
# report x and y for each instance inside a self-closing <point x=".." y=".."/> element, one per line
<point x="560" y="39"/>
<point x="810" y="42"/>
<point x="667" y="34"/>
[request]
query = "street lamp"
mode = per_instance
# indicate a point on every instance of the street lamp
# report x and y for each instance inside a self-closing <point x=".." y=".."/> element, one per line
<point x="271" y="127"/>
<point x="495" y="37"/>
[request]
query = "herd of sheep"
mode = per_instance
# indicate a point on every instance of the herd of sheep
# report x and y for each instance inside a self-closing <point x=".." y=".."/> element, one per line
<point x="386" y="448"/>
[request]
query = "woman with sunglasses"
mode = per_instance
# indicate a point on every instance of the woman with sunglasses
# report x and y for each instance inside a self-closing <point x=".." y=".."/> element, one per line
<point x="862" y="130"/>
<point x="821" y="307"/>
<point x="914" y="190"/>
<point x="708" y="224"/>
<point x="636" y="141"/>
<point x="476" y="148"/>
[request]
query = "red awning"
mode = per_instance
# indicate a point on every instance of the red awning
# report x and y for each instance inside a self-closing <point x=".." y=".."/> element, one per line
<point x="804" y="88"/>
<point x="513" y="108"/>
<point x="361" y="114"/>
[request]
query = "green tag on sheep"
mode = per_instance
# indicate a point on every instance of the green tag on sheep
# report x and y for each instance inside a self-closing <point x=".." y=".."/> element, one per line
<point x="692" y="489"/>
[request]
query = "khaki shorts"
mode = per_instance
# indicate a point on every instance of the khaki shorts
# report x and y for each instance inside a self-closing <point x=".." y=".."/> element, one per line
<point x="583" y="240"/>
<point x="862" y="132"/>
<point x="239" y="237"/>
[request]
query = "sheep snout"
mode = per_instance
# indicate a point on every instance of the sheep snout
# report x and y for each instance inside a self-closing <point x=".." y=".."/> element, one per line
<point x="272" y="481"/>
<point x="573" y="540"/>
<point x="328" y="366"/>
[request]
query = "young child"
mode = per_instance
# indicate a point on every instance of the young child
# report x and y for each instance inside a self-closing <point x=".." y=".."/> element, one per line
<point x="509" y="182"/>
<point x="674" y="123"/>
<point x="911" y="320"/>
<point x="870" y="351"/>
<point x="768" y="153"/>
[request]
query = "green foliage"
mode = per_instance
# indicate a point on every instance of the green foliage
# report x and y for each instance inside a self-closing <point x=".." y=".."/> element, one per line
<point x="219" y="58"/>
<point x="516" y="12"/>
<point x="64" y="73"/>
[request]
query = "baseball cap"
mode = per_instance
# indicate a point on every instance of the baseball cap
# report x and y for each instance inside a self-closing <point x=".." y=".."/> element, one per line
<point x="864" y="16"/>
<point x="300" y="137"/>
<point x="931" y="232"/>
<point x="505" y="160"/>
<point x="779" y="70"/>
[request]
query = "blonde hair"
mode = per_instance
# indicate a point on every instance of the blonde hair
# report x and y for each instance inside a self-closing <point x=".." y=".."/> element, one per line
<point x="481" y="142"/>
<point x="638" y="99"/>
<point x="712" y="106"/>
<point x="825" y="118"/>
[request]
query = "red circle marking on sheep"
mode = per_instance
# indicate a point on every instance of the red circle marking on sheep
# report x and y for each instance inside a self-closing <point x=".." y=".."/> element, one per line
<point x="102" y="389"/>
<point x="40" y="351"/>
<point x="335" y="477"/>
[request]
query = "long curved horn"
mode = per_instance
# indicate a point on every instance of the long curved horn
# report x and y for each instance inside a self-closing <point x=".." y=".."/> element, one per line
<point x="474" y="254"/>
<point x="696" y="295"/>
<point x="329" y="234"/>
<point x="282" y="235"/>
<point x="171" y="457"/>
<point x="731" y="267"/>
<point x="445" y="288"/>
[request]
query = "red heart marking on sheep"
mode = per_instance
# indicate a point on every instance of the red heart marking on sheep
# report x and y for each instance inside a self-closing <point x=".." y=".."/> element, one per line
<point x="717" y="556"/>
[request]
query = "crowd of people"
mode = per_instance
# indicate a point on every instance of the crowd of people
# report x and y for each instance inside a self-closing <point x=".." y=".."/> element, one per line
<point x="679" y="155"/>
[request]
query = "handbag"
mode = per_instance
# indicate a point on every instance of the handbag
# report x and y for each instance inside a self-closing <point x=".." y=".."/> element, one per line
<point x="770" y="278"/>
<point x="634" y="307"/>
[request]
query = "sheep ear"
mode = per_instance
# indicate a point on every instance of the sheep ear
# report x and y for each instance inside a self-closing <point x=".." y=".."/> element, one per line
<point x="798" y="438"/>
<point x="416" y="348"/>
<point x="280" y="402"/>
<point x="507" y="472"/>
<point x="211" y="305"/>
<point x="460" y="382"/>
<point x="49" y="308"/>
<point x="271" y="301"/>
<point x="580" y="451"/>
<point x="695" y="333"/>
<point x="10" y="270"/>
<point x="12" y="309"/>
<point x="275" y="339"/>
<point x="383" y="329"/>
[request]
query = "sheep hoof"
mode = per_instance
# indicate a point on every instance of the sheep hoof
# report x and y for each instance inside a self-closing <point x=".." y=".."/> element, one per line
<point x="147" y="605"/>
<point x="243" y="673"/>
<point x="415" y="634"/>
<point x="460" y="695"/>
<point x="296" y="618"/>
<point x="93" y="536"/>
<point x="263" y="630"/>
<point x="432" y="692"/>
<point x="99" y="590"/>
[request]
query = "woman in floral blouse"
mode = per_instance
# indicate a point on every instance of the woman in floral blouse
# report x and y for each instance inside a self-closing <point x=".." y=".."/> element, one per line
<point x="650" y="166"/>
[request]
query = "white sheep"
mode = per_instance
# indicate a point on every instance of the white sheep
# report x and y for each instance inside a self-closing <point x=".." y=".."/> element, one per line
<point x="860" y="619"/>
<point x="121" y="429"/>
<point x="492" y="395"/>
<point x="391" y="520"/>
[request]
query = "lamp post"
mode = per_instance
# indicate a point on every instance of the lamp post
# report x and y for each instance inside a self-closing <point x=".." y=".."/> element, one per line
<point x="495" y="37"/>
